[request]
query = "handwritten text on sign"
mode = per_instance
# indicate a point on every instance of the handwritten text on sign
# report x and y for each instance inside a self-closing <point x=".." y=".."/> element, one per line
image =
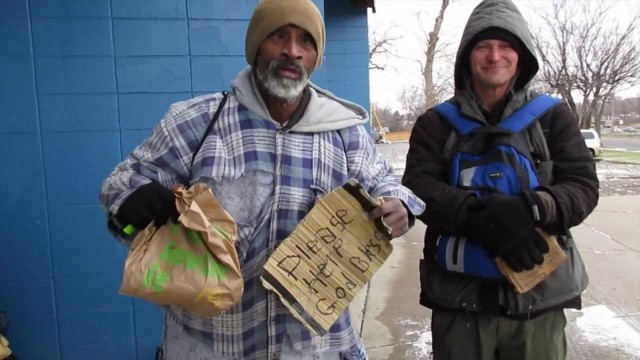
<point x="320" y="268"/>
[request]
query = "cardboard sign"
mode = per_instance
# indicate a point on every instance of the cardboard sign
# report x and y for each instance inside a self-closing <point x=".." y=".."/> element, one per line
<point x="528" y="279"/>
<point x="331" y="255"/>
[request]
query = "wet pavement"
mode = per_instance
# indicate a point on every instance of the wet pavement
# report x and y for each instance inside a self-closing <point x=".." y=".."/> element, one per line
<point x="608" y="326"/>
<point x="395" y="327"/>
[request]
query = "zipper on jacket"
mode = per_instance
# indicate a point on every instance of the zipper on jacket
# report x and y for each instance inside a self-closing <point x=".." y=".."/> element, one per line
<point x="501" y="304"/>
<point x="456" y="245"/>
<point x="466" y="311"/>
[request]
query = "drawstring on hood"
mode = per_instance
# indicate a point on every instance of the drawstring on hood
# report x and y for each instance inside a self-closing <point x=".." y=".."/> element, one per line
<point x="500" y="14"/>
<point x="325" y="111"/>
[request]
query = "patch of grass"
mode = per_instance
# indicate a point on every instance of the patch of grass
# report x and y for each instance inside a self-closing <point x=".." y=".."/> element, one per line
<point x="621" y="135"/>
<point x="618" y="155"/>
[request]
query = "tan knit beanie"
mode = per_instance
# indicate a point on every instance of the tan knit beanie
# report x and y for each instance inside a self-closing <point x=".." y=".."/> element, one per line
<point x="271" y="15"/>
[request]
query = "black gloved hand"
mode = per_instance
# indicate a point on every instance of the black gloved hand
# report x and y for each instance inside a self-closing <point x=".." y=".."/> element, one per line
<point x="466" y="212"/>
<point x="527" y="253"/>
<point x="501" y="223"/>
<point x="149" y="202"/>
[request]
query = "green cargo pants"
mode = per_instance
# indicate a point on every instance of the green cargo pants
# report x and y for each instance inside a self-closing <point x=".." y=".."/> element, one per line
<point x="468" y="336"/>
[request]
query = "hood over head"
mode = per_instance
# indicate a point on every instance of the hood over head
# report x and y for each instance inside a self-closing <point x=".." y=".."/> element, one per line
<point x="325" y="111"/>
<point x="501" y="20"/>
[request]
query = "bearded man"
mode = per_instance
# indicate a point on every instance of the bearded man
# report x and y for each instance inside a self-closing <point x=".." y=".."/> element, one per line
<point x="277" y="144"/>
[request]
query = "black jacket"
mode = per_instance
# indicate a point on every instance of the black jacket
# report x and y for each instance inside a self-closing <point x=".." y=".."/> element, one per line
<point x="573" y="188"/>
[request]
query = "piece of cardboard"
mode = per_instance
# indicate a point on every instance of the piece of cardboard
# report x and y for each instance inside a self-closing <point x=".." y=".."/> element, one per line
<point x="193" y="264"/>
<point x="329" y="257"/>
<point x="4" y="347"/>
<point x="526" y="280"/>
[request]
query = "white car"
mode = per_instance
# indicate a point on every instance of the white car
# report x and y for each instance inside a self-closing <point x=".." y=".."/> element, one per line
<point x="592" y="140"/>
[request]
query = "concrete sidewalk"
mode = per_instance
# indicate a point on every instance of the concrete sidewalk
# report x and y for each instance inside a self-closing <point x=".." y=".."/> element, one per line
<point x="395" y="327"/>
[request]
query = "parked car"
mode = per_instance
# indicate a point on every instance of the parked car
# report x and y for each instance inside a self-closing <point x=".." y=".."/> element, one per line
<point x="592" y="140"/>
<point x="379" y="139"/>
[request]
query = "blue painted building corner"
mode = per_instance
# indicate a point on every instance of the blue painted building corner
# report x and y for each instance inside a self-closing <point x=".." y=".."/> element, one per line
<point x="81" y="84"/>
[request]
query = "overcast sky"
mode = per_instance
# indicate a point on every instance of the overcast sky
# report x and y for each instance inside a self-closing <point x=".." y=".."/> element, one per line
<point x="386" y="86"/>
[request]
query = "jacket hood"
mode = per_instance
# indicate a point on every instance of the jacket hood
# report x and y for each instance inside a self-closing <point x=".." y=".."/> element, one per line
<point x="325" y="111"/>
<point x="501" y="14"/>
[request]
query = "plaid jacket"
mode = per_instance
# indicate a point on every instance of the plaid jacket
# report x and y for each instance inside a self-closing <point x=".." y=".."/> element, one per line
<point x="267" y="177"/>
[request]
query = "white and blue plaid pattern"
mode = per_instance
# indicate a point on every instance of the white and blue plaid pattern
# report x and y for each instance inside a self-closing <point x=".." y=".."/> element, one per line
<point x="268" y="178"/>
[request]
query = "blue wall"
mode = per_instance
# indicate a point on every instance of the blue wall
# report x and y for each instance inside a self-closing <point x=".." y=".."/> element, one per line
<point x="82" y="82"/>
<point x="347" y="52"/>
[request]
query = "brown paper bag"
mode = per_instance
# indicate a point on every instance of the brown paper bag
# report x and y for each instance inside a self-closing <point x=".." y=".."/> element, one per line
<point x="528" y="279"/>
<point x="193" y="264"/>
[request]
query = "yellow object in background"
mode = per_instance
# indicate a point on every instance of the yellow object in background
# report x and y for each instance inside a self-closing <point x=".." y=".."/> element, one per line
<point x="4" y="348"/>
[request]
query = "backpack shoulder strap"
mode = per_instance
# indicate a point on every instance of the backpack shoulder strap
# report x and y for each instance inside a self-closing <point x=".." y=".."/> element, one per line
<point x="536" y="136"/>
<point x="450" y="144"/>
<point x="520" y="120"/>
<point x="451" y="113"/>
<point x="539" y="141"/>
<point x="527" y="114"/>
<point x="214" y="119"/>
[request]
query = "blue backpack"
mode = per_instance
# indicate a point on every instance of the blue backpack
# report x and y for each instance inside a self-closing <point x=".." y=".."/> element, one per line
<point x="492" y="159"/>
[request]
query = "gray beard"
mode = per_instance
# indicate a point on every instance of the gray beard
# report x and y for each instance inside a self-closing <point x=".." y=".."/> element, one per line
<point x="283" y="88"/>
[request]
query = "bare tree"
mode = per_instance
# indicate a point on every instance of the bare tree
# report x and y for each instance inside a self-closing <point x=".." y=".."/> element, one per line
<point x="381" y="42"/>
<point x="436" y="81"/>
<point x="589" y="54"/>
<point x="625" y="109"/>
<point x="432" y="91"/>
<point x="557" y="59"/>
<point x="413" y="103"/>
<point x="435" y="62"/>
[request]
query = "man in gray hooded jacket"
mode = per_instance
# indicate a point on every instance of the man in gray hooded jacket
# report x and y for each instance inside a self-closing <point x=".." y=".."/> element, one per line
<point x="475" y="317"/>
<point x="279" y="144"/>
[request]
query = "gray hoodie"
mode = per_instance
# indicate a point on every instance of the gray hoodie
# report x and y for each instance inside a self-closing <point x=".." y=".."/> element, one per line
<point x="325" y="111"/>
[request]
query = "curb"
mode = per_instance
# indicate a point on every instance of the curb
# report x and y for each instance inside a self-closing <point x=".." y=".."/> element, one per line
<point x="619" y="162"/>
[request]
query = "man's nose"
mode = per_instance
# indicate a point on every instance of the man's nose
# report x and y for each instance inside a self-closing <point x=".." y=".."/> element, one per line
<point x="494" y="54"/>
<point x="292" y="49"/>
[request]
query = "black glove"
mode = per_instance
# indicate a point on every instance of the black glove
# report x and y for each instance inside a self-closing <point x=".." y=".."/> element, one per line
<point x="148" y="202"/>
<point x="466" y="212"/>
<point x="527" y="253"/>
<point x="500" y="223"/>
